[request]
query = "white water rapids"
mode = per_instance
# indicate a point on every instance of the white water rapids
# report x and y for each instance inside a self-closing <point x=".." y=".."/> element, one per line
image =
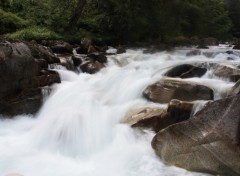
<point x="78" y="131"/>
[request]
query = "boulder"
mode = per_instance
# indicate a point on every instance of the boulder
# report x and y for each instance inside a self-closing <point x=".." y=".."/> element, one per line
<point x="208" y="142"/>
<point x="153" y="118"/>
<point x="167" y="89"/>
<point x="227" y="72"/>
<point x="186" y="71"/>
<point x="81" y="50"/>
<point x="58" y="46"/>
<point x="100" y="57"/>
<point x="42" y="52"/>
<point x="91" y="66"/>
<point x="17" y="67"/>
<point x="21" y="64"/>
<point x="77" y="60"/>
<point x="158" y="119"/>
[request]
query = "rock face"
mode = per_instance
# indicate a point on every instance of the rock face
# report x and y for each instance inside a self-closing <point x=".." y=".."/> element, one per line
<point x="228" y="72"/>
<point x="186" y="71"/>
<point x="23" y="71"/>
<point x="166" y="90"/>
<point x="208" y="142"/>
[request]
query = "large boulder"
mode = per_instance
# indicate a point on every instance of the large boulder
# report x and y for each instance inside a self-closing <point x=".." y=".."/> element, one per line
<point x="167" y="89"/>
<point x="17" y="67"/>
<point x="21" y="77"/>
<point x="208" y="142"/>
<point x="227" y="72"/>
<point x="186" y="71"/>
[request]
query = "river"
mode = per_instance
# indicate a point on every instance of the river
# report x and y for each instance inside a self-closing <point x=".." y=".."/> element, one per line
<point x="78" y="132"/>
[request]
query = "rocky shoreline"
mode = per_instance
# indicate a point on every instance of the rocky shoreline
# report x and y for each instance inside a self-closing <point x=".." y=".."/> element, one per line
<point x="204" y="141"/>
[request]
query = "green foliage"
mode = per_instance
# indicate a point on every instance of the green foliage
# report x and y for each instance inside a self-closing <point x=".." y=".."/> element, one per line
<point x="34" y="33"/>
<point x="10" y="22"/>
<point x="123" y="21"/>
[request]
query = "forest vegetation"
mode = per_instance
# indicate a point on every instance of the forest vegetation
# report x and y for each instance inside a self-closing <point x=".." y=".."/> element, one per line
<point x="120" y="21"/>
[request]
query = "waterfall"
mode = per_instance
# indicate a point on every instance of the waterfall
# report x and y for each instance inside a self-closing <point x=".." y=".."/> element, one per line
<point x="78" y="132"/>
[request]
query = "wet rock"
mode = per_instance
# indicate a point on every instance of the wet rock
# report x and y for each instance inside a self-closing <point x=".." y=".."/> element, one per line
<point x="180" y="110"/>
<point x="166" y="90"/>
<point x="202" y="47"/>
<point x="58" y="46"/>
<point x="227" y="72"/>
<point x="42" y="52"/>
<point x="186" y="71"/>
<point x="17" y="67"/>
<point x="235" y="89"/>
<point x="77" y="60"/>
<point x="100" y="57"/>
<point x="208" y="142"/>
<point x="20" y="64"/>
<point x="91" y="66"/>
<point x="153" y="118"/>
<point x="158" y="119"/>
<point x="121" y="49"/>
<point x="229" y="52"/>
<point x="194" y="53"/>
<point x="82" y="50"/>
<point x="46" y="78"/>
<point x="237" y="46"/>
<point x="28" y="101"/>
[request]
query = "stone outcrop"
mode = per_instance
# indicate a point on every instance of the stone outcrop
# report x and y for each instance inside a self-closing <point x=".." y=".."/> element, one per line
<point x="208" y="142"/>
<point x="167" y="89"/>
<point x="186" y="71"/>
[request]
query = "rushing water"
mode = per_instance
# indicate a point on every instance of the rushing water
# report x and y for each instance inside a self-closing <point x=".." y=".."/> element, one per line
<point x="77" y="131"/>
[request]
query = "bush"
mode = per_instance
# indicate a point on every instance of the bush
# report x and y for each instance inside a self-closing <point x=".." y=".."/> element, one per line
<point x="10" y="22"/>
<point x="35" y="33"/>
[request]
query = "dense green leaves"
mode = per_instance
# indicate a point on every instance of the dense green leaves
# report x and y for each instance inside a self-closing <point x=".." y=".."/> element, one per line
<point x="129" y="20"/>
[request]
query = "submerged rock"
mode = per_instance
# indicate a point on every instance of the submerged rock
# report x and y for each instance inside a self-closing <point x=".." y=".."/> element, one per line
<point x="167" y="89"/>
<point x="186" y="71"/>
<point x="208" y="142"/>
<point x="194" y="52"/>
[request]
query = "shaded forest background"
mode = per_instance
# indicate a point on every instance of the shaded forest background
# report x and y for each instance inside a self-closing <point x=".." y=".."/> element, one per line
<point x="120" y="20"/>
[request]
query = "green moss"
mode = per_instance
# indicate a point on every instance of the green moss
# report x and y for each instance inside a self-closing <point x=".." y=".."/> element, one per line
<point x="34" y="33"/>
<point x="10" y="22"/>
